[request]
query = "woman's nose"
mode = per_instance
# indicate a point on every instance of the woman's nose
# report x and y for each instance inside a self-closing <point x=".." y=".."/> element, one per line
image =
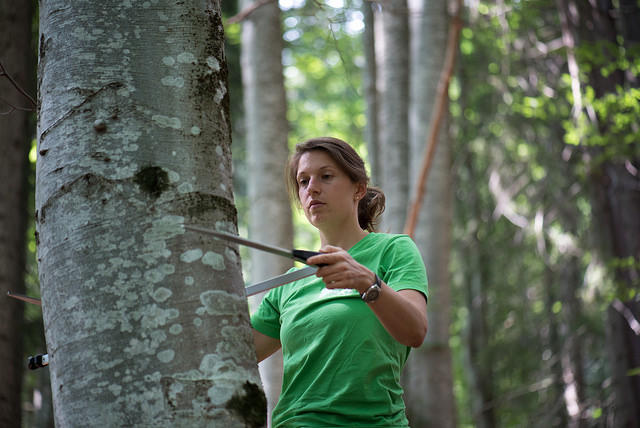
<point x="313" y="187"/>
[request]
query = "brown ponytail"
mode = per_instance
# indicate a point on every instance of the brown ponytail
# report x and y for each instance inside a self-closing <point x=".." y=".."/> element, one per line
<point x="371" y="206"/>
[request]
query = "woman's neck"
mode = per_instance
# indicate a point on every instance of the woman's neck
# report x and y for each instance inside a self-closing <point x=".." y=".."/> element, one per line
<point x="343" y="238"/>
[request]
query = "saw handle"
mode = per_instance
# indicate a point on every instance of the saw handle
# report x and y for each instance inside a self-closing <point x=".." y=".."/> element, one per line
<point x="303" y="255"/>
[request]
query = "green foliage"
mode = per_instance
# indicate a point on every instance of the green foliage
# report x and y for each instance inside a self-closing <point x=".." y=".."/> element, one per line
<point x="323" y="77"/>
<point x="618" y="113"/>
<point x="523" y="228"/>
<point x="609" y="121"/>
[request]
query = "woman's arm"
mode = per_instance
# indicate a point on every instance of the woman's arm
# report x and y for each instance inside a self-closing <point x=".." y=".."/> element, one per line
<point x="265" y="345"/>
<point x="402" y="313"/>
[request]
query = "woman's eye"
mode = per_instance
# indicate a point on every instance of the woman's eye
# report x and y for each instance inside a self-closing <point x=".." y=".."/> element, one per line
<point x="303" y="181"/>
<point x="326" y="176"/>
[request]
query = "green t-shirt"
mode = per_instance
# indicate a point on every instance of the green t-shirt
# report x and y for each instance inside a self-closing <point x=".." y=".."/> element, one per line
<point x="341" y="367"/>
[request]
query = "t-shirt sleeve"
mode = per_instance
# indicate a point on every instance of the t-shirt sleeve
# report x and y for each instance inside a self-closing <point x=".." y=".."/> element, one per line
<point x="402" y="266"/>
<point x="266" y="319"/>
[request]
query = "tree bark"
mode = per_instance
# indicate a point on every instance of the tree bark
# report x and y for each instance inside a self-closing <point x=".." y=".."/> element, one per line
<point x="624" y="351"/>
<point x="571" y="359"/>
<point x="630" y="31"/>
<point x="15" y="141"/>
<point x="267" y="151"/>
<point x="477" y="332"/>
<point x="394" y="131"/>
<point x="429" y="378"/>
<point x="146" y="323"/>
<point x="370" y="89"/>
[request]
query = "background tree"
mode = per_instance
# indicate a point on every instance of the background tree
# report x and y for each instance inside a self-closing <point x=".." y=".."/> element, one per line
<point x="16" y="132"/>
<point x="429" y="377"/>
<point x="370" y="92"/>
<point x="393" y="86"/>
<point x="146" y="324"/>
<point x="267" y="152"/>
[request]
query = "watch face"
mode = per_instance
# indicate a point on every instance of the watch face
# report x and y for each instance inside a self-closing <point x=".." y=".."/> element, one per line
<point x="372" y="294"/>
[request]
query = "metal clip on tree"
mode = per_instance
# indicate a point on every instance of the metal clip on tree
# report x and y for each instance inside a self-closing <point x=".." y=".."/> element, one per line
<point x="42" y="360"/>
<point x="38" y="361"/>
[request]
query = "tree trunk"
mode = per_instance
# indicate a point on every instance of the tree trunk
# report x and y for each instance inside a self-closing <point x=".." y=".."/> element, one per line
<point x="624" y="351"/>
<point x="571" y="349"/>
<point x="15" y="141"/>
<point x="146" y="323"/>
<point x="477" y="333"/>
<point x="370" y="75"/>
<point x="429" y="380"/>
<point x="477" y="340"/>
<point x="267" y="151"/>
<point x="556" y="415"/>
<point x="630" y="30"/>
<point x="394" y="113"/>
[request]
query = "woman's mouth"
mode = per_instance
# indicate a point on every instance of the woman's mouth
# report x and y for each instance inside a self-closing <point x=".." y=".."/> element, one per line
<point x="315" y="204"/>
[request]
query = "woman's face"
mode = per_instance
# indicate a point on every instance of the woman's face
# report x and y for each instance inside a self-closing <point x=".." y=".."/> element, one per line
<point x="328" y="196"/>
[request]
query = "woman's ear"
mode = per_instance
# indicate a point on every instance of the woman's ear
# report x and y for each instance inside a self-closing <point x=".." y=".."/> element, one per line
<point x="361" y="191"/>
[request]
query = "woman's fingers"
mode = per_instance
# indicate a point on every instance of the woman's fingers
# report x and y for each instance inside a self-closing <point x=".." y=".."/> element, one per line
<point x="330" y="255"/>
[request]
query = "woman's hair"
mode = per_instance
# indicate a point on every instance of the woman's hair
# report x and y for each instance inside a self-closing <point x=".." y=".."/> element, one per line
<point x="371" y="206"/>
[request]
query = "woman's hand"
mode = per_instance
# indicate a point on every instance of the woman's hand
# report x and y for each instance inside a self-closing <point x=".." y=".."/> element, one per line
<point x="341" y="270"/>
<point x="402" y="313"/>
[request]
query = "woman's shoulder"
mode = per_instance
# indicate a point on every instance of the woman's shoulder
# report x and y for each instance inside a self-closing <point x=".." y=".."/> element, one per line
<point x="390" y="238"/>
<point x="389" y="244"/>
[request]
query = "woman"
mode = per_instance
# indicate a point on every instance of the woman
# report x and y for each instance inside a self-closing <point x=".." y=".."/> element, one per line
<point x="346" y="332"/>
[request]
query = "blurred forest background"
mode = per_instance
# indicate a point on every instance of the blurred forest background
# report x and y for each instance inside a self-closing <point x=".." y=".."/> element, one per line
<point x="535" y="184"/>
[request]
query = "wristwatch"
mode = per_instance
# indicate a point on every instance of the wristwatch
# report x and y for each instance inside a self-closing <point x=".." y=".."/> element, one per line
<point x="373" y="292"/>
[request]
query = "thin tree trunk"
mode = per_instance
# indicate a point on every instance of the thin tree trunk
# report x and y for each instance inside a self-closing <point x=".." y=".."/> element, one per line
<point x="429" y="378"/>
<point x="146" y="323"/>
<point x="477" y="334"/>
<point x="15" y="141"/>
<point x="372" y="133"/>
<point x="394" y="131"/>
<point x="267" y="151"/>
<point x="624" y="350"/>
<point x="630" y="30"/>
<point x="477" y="339"/>
<point x="571" y="350"/>
<point x="555" y="413"/>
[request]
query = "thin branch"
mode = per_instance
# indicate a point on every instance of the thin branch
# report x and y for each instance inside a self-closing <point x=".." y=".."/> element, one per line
<point x="436" y="119"/>
<point x="332" y="34"/>
<point x="13" y="108"/>
<point x="628" y="315"/>
<point x="3" y="73"/>
<point x="572" y="63"/>
<point x="244" y="13"/>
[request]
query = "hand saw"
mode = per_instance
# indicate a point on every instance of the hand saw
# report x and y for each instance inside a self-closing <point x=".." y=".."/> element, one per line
<point x="277" y="281"/>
